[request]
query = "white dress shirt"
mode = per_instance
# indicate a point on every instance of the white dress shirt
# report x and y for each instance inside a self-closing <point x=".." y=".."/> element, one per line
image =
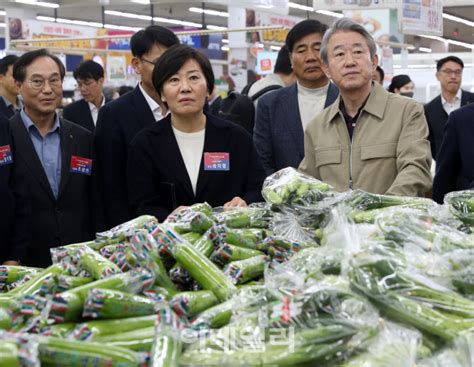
<point x="450" y="107"/>
<point x="95" y="110"/>
<point x="154" y="106"/>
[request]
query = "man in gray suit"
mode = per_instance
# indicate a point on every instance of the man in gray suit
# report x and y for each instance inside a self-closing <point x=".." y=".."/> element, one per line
<point x="282" y="116"/>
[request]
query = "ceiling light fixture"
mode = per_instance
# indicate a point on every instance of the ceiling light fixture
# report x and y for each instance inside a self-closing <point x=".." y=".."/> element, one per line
<point x="309" y="8"/>
<point x="3" y="12"/>
<point x="3" y="25"/>
<point x="425" y="49"/>
<point x="450" y="41"/>
<point x="209" y="12"/>
<point x="458" y="19"/>
<point x="300" y="7"/>
<point x="90" y="24"/>
<point x="330" y="13"/>
<point x="144" y="2"/>
<point x="275" y="48"/>
<point x="38" y="3"/>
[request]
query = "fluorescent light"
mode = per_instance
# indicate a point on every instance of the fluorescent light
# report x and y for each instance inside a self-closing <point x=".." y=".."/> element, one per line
<point x="275" y="48"/>
<point x="2" y="25"/>
<point x="38" y="3"/>
<point x="225" y="40"/>
<point x="300" y="7"/>
<point x="450" y="41"/>
<point x="90" y="24"/>
<point x="145" y="2"/>
<point x="177" y="22"/>
<point x="425" y="49"/>
<point x="458" y="19"/>
<point x="209" y="12"/>
<point x="216" y="27"/>
<point x="330" y="13"/>
<point x="3" y="12"/>
<point x="127" y="15"/>
<point x="225" y="48"/>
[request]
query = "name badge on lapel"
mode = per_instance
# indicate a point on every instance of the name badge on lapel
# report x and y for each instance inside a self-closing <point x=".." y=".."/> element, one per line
<point x="81" y="165"/>
<point x="6" y="156"/>
<point x="216" y="162"/>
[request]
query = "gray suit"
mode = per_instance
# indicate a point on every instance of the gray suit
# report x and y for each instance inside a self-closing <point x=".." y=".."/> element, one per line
<point x="278" y="132"/>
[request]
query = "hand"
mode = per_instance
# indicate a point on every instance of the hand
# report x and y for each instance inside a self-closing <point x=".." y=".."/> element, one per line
<point x="11" y="262"/>
<point x="235" y="202"/>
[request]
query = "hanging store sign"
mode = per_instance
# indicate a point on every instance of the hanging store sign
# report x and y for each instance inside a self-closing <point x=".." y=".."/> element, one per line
<point x="274" y="35"/>
<point x="421" y="17"/>
<point x="339" y="5"/>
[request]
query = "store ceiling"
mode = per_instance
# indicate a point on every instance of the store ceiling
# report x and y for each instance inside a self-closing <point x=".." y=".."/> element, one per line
<point x="91" y="10"/>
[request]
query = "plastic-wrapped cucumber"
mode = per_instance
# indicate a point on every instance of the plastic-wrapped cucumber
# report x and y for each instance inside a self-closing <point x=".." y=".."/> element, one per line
<point x="461" y="204"/>
<point x="71" y="353"/>
<point x="117" y="234"/>
<point x="289" y="186"/>
<point x="249" y="217"/>
<point x="167" y="345"/>
<point x="5" y="319"/>
<point x="362" y="200"/>
<point x="190" y="304"/>
<point x="91" y="330"/>
<point x="66" y="282"/>
<point x="139" y="340"/>
<point x="244" y="270"/>
<point x="35" y="283"/>
<point x="9" y="354"/>
<point x="204" y="271"/>
<point x="112" y="304"/>
<point x="247" y="238"/>
<point x="192" y="237"/>
<point x="68" y="306"/>
<point x="10" y="274"/>
<point x="227" y="253"/>
<point x="188" y="220"/>
<point x="97" y="265"/>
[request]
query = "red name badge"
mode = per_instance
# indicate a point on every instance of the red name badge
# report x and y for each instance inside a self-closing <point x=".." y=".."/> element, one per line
<point x="6" y="156"/>
<point x="81" y="165"/>
<point x="216" y="162"/>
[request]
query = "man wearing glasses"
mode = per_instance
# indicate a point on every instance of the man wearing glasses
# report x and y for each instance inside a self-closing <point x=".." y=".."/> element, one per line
<point x="89" y="76"/>
<point x="449" y="73"/>
<point x="55" y="157"/>
<point x="120" y="120"/>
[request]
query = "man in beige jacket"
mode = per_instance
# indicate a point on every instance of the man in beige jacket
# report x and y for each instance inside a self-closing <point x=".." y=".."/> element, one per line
<point x="368" y="138"/>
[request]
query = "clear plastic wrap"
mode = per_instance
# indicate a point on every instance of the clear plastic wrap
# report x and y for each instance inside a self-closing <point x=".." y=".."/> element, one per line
<point x="289" y="186"/>
<point x="461" y="205"/>
<point x="189" y="304"/>
<point x="460" y="354"/>
<point x="244" y="270"/>
<point x="10" y="274"/>
<point x="189" y="220"/>
<point x="95" y="264"/>
<point x="253" y="216"/>
<point x="118" y="233"/>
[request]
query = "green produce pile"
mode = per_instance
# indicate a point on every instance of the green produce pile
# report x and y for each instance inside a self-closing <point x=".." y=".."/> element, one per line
<point x="311" y="277"/>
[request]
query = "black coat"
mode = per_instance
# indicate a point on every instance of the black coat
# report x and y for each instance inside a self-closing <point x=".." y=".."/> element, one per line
<point x="118" y="123"/>
<point x="80" y="113"/>
<point x="4" y="110"/>
<point x="15" y="212"/>
<point x="75" y="214"/>
<point x="158" y="181"/>
<point x="455" y="167"/>
<point x="436" y="117"/>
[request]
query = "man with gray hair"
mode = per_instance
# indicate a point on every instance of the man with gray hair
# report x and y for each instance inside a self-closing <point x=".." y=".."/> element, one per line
<point x="367" y="139"/>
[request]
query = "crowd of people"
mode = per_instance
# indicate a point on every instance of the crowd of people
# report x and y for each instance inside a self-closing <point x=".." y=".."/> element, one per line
<point x="160" y="147"/>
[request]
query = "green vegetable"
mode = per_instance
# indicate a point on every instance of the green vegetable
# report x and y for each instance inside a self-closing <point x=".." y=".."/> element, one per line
<point x="139" y="340"/>
<point x="10" y="273"/>
<point x="5" y="319"/>
<point x="34" y="284"/>
<point x="227" y="253"/>
<point x="190" y="304"/>
<point x="112" y="304"/>
<point x="97" y="265"/>
<point x="167" y="345"/>
<point x="247" y="238"/>
<point x="244" y="270"/>
<point x="9" y="354"/>
<point x="208" y="275"/>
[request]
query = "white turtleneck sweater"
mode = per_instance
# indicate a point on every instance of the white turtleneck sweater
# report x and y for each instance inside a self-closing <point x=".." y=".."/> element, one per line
<point x="311" y="102"/>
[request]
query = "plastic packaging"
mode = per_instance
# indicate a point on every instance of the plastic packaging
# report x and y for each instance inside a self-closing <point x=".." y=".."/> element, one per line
<point x="461" y="205"/>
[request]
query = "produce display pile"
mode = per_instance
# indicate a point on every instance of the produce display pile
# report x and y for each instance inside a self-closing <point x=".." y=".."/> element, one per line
<point x="311" y="277"/>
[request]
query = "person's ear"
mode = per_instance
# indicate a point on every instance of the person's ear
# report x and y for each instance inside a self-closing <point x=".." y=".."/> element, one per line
<point x="375" y="62"/>
<point x="137" y="65"/>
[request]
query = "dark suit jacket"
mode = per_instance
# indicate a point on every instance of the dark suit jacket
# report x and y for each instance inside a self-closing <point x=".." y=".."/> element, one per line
<point x="158" y="181"/>
<point x="436" y="117"/>
<point x="278" y="132"/>
<point x="80" y="113"/>
<point x="71" y="217"/>
<point x="118" y="123"/>
<point x="15" y="212"/>
<point x="455" y="167"/>
<point x="4" y="110"/>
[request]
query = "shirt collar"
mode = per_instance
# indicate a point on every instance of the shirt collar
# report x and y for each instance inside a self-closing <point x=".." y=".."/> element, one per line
<point x="93" y="106"/>
<point x="151" y="102"/>
<point x="8" y="103"/>
<point x="29" y="123"/>
<point x="456" y="97"/>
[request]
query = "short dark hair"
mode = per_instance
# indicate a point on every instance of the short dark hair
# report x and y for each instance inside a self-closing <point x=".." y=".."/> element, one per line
<point x="89" y="70"/>
<point x="283" y="63"/>
<point x="398" y="81"/>
<point x="379" y="70"/>
<point x="19" y="68"/>
<point x="173" y="59"/>
<point x="446" y="59"/>
<point x="143" y="41"/>
<point x="6" y="62"/>
<point x="302" y="29"/>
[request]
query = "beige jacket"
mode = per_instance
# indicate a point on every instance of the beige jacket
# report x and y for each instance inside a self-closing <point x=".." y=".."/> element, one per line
<point x="389" y="154"/>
